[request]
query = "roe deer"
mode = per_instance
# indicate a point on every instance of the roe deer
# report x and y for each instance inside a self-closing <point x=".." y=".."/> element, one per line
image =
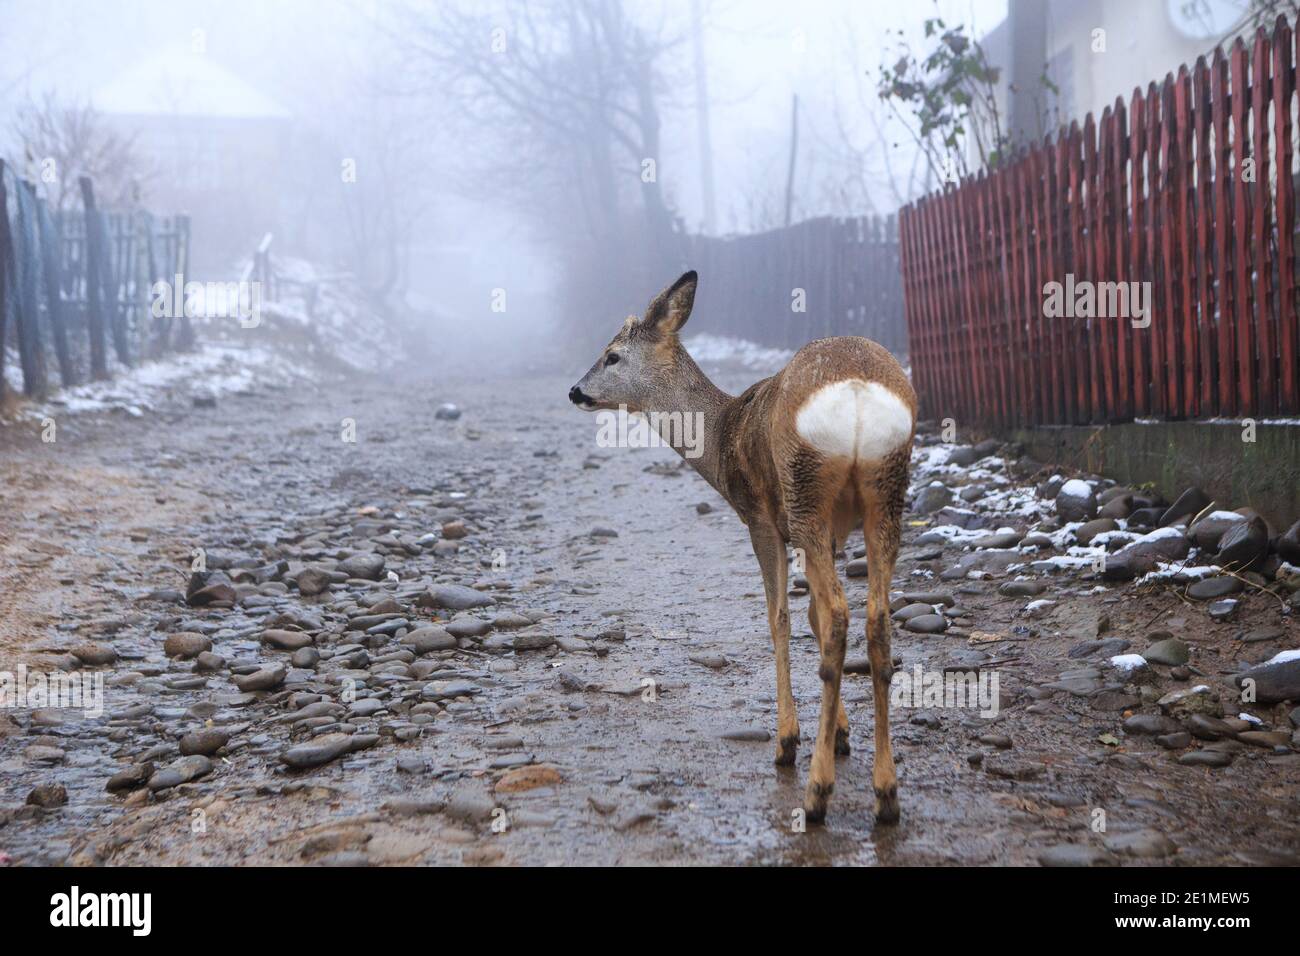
<point x="804" y="457"/>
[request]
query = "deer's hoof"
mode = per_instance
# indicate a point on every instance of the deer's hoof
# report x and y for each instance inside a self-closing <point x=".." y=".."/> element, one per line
<point x="815" y="800"/>
<point x="842" y="748"/>
<point x="786" y="749"/>
<point x="887" y="809"/>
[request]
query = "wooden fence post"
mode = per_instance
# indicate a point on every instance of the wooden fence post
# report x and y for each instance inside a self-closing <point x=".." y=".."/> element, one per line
<point x="5" y="242"/>
<point x="1244" y="317"/>
<point x="52" y="272"/>
<point x="95" y="310"/>
<point x="185" y="341"/>
<point x="1203" y="260"/>
<point x="1262" y="228"/>
<point x="1284" y="88"/>
<point x="25" y="262"/>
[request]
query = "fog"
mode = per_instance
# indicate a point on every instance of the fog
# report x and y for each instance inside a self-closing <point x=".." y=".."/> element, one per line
<point x="451" y="155"/>
<point x="348" y="517"/>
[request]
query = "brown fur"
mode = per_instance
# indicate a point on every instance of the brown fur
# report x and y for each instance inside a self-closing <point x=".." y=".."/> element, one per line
<point x="787" y="493"/>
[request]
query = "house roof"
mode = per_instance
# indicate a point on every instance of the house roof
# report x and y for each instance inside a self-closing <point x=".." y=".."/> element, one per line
<point x="183" y="83"/>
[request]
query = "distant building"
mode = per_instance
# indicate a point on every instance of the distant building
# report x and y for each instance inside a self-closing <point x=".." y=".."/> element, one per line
<point x="1139" y="42"/>
<point x="213" y="146"/>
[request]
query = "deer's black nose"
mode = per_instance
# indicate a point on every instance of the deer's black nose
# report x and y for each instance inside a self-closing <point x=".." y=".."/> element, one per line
<point x="576" y="396"/>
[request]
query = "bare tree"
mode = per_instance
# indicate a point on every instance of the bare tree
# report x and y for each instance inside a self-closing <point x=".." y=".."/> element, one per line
<point x="387" y="197"/>
<point x="871" y="173"/>
<point x="570" y="91"/>
<point x="63" y="142"/>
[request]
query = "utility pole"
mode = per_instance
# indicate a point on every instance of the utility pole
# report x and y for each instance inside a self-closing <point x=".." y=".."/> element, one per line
<point x="794" y="152"/>
<point x="702" y="120"/>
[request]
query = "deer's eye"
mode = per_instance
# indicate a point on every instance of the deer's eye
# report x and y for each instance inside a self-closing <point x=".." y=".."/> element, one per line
<point x="611" y="359"/>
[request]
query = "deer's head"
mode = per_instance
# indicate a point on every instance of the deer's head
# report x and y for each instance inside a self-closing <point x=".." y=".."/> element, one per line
<point x="640" y="364"/>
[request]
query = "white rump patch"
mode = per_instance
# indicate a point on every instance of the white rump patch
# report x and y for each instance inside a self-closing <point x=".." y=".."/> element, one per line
<point x="863" y="421"/>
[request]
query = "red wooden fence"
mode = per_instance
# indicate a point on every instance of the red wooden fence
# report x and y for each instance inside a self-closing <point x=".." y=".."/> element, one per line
<point x="1161" y="190"/>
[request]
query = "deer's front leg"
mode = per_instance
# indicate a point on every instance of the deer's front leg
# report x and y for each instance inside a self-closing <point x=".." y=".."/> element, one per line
<point x="770" y="551"/>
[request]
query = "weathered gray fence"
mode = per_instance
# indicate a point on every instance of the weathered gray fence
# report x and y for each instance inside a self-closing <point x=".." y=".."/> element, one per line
<point x="73" y="281"/>
<point x="843" y="274"/>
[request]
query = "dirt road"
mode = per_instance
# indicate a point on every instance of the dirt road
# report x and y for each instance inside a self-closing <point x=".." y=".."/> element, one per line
<point x="612" y="700"/>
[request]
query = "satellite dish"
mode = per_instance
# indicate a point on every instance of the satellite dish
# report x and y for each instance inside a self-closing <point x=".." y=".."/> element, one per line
<point x="1206" y="19"/>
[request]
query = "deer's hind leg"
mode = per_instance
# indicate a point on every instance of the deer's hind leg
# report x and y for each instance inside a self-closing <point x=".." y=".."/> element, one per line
<point x="883" y="496"/>
<point x="769" y="548"/>
<point x="842" y="746"/>
<point x="809" y="511"/>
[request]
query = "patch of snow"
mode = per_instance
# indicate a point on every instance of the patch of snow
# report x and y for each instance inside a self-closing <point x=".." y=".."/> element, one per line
<point x="1106" y="537"/>
<point x="928" y="458"/>
<point x="951" y="532"/>
<point x="1064" y="535"/>
<point x="323" y="317"/>
<point x="1242" y="421"/>
<point x="1160" y="533"/>
<point x="1224" y="516"/>
<point x="1012" y="501"/>
<point x="1251" y="719"/>
<point x="1076" y="488"/>
<point x="1281" y="657"/>
<point x="1165" y="572"/>
<point x="1128" y="662"/>
<point x="214" y="370"/>
<point x="724" y="350"/>
<point x="1071" y="561"/>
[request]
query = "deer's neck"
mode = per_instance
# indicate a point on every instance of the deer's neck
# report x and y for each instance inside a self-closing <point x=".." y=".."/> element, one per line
<point x="691" y="412"/>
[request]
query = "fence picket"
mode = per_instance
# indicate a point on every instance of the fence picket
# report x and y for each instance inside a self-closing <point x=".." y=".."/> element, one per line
<point x="1262" y="227"/>
<point x="1284" y="87"/>
<point x="1184" y="331"/>
<point x="1122" y="408"/>
<point x="1283" y="90"/>
<point x="1225" y="290"/>
<point x="1139" y="241"/>
<point x="1203" y="393"/>
<point x="1244" y="320"/>
<point x="1105" y="399"/>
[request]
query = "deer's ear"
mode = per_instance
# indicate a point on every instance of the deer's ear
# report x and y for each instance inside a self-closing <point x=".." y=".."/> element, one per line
<point x="671" y="308"/>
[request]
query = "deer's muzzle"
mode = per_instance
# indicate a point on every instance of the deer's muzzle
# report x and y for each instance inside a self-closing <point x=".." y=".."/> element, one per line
<point x="580" y="398"/>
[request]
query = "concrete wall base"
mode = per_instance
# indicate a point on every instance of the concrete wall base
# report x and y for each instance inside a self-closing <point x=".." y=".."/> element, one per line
<point x="1264" y="474"/>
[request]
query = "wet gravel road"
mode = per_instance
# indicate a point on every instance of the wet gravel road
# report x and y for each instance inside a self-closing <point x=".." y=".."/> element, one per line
<point x="527" y="649"/>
